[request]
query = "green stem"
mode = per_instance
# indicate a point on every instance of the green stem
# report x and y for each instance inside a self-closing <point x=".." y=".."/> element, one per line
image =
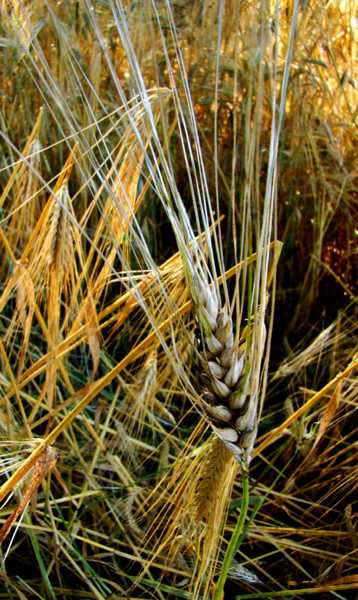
<point x="234" y="542"/>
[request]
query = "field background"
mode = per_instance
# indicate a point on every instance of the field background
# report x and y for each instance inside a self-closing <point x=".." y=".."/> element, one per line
<point x="100" y="525"/>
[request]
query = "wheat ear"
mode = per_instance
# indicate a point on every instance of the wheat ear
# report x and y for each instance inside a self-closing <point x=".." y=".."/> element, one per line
<point x="229" y="396"/>
<point x="214" y="478"/>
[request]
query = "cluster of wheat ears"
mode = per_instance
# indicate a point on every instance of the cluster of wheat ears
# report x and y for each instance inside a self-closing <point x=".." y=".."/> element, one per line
<point x="139" y="283"/>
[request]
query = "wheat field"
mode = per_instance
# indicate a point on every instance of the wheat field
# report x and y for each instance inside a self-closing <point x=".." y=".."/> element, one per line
<point x="178" y="299"/>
